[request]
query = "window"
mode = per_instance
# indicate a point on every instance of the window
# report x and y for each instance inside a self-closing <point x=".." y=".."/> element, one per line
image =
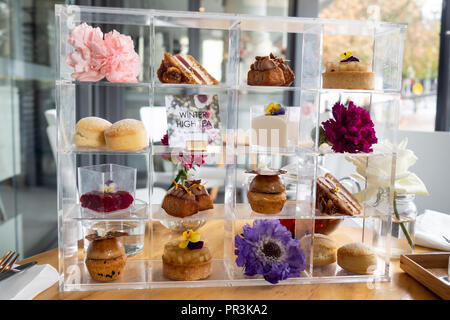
<point x="421" y="53"/>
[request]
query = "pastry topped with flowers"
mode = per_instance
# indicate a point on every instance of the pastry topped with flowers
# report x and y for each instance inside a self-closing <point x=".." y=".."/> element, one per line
<point x="186" y="199"/>
<point x="274" y="128"/>
<point x="348" y="73"/>
<point x="187" y="259"/>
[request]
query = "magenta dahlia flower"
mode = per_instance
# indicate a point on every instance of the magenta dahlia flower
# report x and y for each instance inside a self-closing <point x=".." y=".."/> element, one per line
<point x="268" y="249"/>
<point x="351" y="130"/>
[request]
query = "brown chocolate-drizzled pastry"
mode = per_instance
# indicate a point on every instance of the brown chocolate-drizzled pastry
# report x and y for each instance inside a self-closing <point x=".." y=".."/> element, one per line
<point x="270" y="71"/>
<point x="180" y="201"/>
<point x="106" y="257"/>
<point x="332" y="198"/>
<point x="109" y="235"/>
<point x="267" y="191"/>
<point x="201" y="194"/>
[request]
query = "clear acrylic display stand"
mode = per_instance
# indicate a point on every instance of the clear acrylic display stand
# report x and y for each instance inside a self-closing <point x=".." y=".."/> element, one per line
<point x="305" y="161"/>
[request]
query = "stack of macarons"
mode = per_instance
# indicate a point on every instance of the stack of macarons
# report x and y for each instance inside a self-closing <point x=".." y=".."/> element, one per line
<point x="123" y="135"/>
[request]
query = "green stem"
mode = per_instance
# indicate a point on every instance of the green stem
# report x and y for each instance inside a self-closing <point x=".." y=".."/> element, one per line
<point x="402" y="225"/>
<point x="182" y="172"/>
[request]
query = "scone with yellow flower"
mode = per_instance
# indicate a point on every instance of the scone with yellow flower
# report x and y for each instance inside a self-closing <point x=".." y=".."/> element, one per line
<point x="348" y="73"/>
<point x="188" y="259"/>
<point x="274" y="128"/>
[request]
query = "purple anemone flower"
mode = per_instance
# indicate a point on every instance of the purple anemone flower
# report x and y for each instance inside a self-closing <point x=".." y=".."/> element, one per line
<point x="268" y="249"/>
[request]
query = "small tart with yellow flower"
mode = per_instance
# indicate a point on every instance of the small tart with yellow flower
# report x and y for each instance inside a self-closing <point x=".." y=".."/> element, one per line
<point x="180" y="201"/>
<point x="348" y="73"/>
<point x="188" y="259"/>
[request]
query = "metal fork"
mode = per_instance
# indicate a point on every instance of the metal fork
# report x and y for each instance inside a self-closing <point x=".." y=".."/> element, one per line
<point x="8" y="260"/>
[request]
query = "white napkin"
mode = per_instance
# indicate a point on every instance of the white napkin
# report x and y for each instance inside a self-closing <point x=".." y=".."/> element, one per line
<point x="430" y="228"/>
<point x="29" y="283"/>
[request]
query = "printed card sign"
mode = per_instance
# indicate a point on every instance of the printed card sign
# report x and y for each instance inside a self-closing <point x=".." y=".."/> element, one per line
<point x="193" y="121"/>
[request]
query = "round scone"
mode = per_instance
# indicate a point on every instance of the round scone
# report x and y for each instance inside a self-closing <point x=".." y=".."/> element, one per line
<point x="267" y="184"/>
<point x="126" y="135"/>
<point x="89" y="132"/>
<point x="185" y="264"/>
<point x="106" y="257"/>
<point x="269" y="203"/>
<point x="357" y="258"/>
<point x="324" y="249"/>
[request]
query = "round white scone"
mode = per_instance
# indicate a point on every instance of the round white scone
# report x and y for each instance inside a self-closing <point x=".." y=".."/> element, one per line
<point x="324" y="249"/>
<point x="357" y="258"/>
<point x="89" y="132"/>
<point x="126" y="135"/>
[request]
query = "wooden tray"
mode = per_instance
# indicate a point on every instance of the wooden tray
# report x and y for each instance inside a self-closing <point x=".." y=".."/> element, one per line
<point x="430" y="269"/>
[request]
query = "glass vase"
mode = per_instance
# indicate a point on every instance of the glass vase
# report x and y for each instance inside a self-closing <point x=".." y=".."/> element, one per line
<point x="403" y="221"/>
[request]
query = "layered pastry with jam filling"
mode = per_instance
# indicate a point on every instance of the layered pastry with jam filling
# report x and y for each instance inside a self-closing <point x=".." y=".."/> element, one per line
<point x="348" y="73"/>
<point x="334" y="199"/>
<point x="183" y="69"/>
<point x="270" y="71"/>
<point x="188" y="259"/>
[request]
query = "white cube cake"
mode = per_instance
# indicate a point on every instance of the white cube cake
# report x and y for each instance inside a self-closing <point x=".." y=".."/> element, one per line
<point x="274" y="131"/>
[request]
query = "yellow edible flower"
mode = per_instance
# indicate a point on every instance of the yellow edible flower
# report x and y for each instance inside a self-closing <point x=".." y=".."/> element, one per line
<point x="107" y="189"/>
<point x="272" y="107"/>
<point x="346" y="55"/>
<point x="189" y="236"/>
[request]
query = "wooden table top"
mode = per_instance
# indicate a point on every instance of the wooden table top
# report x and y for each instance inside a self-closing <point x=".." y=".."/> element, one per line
<point x="401" y="287"/>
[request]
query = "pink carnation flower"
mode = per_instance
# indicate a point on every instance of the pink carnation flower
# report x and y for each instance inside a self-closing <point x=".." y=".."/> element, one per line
<point x="95" y="58"/>
<point x="351" y="130"/>
<point x="83" y="38"/>
<point x="117" y="58"/>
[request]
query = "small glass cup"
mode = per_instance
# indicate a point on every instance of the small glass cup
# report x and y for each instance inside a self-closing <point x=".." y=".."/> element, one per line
<point x="104" y="179"/>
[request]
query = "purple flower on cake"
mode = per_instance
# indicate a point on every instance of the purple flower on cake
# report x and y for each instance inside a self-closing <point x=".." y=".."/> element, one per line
<point x="351" y="130"/>
<point x="268" y="249"/>
<point x="347" y="57"/>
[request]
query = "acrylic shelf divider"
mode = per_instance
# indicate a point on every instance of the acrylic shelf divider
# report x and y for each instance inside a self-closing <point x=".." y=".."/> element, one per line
<point x="307" y="161"/>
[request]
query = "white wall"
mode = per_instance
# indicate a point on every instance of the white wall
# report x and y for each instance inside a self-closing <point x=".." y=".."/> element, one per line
<point x="433" y="167"/>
